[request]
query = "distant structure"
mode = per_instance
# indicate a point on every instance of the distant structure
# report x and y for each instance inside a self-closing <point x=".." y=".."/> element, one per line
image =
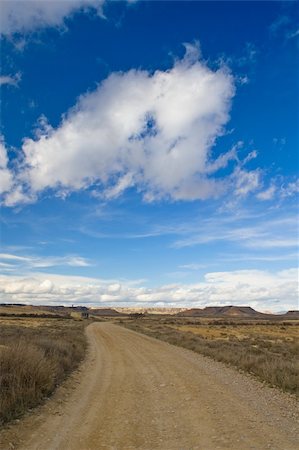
<point x="85" y="315"/>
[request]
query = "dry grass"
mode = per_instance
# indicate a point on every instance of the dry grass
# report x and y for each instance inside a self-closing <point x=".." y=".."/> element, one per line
<point x="35" y="356"/>
<point x="29" y="310"/>
<point x="268" y="350"/>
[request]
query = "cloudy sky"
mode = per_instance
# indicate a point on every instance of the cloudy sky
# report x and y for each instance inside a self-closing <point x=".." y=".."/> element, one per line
<point x="149" y="153"/>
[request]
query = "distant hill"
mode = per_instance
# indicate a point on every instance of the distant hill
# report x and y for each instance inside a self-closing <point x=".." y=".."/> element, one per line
<point x="104" y="312"/>
<point x="222" y="311"/>
<point x="151" y="310"/>
<point x="292" y="314"/>
<point x="21" y="310"/>
<point x="7" y="309"/>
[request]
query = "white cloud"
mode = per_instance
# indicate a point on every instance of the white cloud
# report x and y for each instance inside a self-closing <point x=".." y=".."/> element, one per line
<point x="268" y="258"/>
<point x="121" y="185"/>
<point x="6" y="179"/>
<point x="246" y="181"/>
<point x="17" y="195"/>
<point x="267" y="194"/>
<point x="250" y="156"/>
<point x="255" y="232"/>
<point x="12" y="80"/>
<point x="192" y="266"/>
<point x="223" y="160"/>
<point x="5" y="265"/>
<point x="259" y="289"/>
<point x="151" y="131"/>
<point x="72" y="261"/>
<point x="31" y="262"/>
<point x="22" y="16"/>
<point x="275" y="242"/>
<point x="281" y="188"/>
<point x="8" y="256"/>
<point x="154" y="132"/>
<point x="283" y="26"/>
<point x="290" y="189"/>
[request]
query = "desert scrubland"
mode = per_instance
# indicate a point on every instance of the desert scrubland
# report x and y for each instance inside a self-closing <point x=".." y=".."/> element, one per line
<point x="227" y="383"/>
<point x="139" y="393"/>
<point x="267" y="349"/>
<point x="36" y="354"/>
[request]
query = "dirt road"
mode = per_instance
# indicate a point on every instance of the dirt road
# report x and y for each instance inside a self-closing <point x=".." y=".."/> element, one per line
<point x="135" y="392"/>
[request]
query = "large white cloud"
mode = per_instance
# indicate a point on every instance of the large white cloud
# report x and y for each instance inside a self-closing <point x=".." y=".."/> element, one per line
<point x="21" y="16"/>
<point x="262" y="290"/>
<point x="151" y="131"/>
<point x="154" y="132"/>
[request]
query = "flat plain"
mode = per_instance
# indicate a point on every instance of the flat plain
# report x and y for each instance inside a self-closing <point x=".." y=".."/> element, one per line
<point x="267" y="349"/>
<point x="224" y="384"/>
<point x="136" y="392"/>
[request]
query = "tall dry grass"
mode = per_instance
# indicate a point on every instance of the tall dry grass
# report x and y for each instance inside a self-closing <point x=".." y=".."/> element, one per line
<point x="34" y="359"/>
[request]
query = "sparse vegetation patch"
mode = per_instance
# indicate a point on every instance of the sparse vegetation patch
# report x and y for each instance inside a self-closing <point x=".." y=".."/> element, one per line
<point x="269" y="350"/>
<point x="35" y="356"/>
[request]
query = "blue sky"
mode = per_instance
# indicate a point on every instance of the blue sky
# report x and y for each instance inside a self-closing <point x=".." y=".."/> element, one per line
<point x="149" y="153"/>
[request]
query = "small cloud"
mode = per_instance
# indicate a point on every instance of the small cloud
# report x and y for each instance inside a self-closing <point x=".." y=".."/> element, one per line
<point x="279" y="23"/>
<point x="250" y="156"/>
<point x="282" y="187"/>
<point x="272" y="243"/>
<point x="267" y="194"/>
<point x="246" y="182"/>
<point x="29" y="262"/>
<point x="17" y="196"/>
<point x="192" y="266"/>
<point x="76" y="261"/>
<point x="284" y="26"/>
<point x="41" y="14"/>
<point x="242" y="80"/>
<point x="122" y="184"/>
<point x="10" y="80"/>
<point x="5" y="265"/>
<point x="10" y="257"/>
<point x="290" y="189"/>
<point x="293" y="34"/>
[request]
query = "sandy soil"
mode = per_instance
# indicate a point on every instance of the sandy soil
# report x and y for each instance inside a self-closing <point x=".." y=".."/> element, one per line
<point x="135" y="392"/>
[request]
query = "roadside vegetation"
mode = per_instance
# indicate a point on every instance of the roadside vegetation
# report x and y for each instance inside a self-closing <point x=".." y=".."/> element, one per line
<point x="266" y="349"/>
<point x="36" y="354"/>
